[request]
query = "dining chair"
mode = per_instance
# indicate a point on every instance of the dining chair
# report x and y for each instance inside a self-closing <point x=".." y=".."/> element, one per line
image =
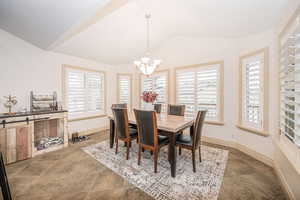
<point x="123" y="105"/>
<point x="119" y="105"/>
<point x="123" y="131"/>
<point x="148" y="134"/>
<point x="193" y="142"/>
<point x="157" y="108"/>
<point x="176" y="109"/>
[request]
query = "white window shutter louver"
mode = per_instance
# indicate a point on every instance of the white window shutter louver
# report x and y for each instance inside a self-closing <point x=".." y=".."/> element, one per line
<point x="290" y="86"/>
<point x="84" y="93"/>
<point x="124" y="82"/>
<point x="157" y="83"/>
<point x="198" y="89"/>
<point x="253" y="100"/>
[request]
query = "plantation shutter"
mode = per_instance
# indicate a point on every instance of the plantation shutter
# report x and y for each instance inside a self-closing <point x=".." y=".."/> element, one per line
<point x="290" y="85"/>
<point x="198" y="89"/>
<point x="158" y="83"/>
<point x="160" y="87"/>
<point x="94" y="92"/>
<point x="185" y="85"/>
<point x="147" y="84"/>
<point x="84" y="93"/>
<point x="207" y="91"/>
<point x="124" y="89"/>
<point x="76" y="92"/>
<point x="253" y="92"/>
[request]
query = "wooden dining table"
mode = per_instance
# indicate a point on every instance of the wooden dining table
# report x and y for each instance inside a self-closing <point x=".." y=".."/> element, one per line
<point x="170" y="125"/>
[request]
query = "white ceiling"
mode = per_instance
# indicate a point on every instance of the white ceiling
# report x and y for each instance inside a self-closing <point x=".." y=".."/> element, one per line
<point x="42" y="22"/>
<point x="119" y="37"/>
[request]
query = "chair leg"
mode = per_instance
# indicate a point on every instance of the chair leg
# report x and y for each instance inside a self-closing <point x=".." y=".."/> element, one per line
<point x="180" y="151"/>
<point x="194" y="162"/>
<point x="117" y="145"/>
<point x="139" y="155"/>
<point x="127" y="150"/>
<point x="155" y="160"/>
<point x="200" y="154"/>
<point x="130" y="144"/>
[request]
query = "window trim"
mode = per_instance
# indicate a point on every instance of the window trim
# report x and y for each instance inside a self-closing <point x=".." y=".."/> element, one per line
<point x="220" y="121"/>
<point x="167" y="71"/>
<point x="64" y="91"/>
<point x="131" y="85"/>
<point x="265" y="110"/>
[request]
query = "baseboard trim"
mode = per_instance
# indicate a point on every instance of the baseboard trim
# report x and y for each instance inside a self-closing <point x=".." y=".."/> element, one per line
<point x="258" y="156"/>
<point x="92" y="131"/>
<point x="218" y="141"/>
<point x="283" y="182"/>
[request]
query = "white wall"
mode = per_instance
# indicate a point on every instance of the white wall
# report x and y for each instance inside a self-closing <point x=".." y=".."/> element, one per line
<point x="24" y="67"/>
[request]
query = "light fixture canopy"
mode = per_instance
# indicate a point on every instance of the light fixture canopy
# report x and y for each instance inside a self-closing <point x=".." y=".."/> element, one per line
<point x="146" y="64"/>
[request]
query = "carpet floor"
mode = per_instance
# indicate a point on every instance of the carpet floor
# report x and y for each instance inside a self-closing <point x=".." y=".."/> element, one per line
<point x="204" y="184"/>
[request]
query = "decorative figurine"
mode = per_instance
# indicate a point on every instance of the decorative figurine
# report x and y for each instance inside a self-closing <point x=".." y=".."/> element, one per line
<point x="10" y="102"/>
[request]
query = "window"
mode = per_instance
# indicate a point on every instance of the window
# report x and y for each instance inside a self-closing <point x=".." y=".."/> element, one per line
<point x="157" y="82"/>
<point x="290" y="83"/>
<point x="124" y="88"/>
<point x="253" y="92"/>
<point x="200" y="87"/>
<point x="84" y="92"/>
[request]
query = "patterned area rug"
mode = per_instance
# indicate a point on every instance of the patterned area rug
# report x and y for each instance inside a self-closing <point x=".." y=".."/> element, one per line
<point x="204" y="184"/>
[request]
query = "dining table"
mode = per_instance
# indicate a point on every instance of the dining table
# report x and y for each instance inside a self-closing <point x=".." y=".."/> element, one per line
<point x="168" y="125"/>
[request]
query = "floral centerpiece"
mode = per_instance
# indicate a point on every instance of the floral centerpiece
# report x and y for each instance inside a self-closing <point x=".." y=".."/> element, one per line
<point x="149" y="97"/>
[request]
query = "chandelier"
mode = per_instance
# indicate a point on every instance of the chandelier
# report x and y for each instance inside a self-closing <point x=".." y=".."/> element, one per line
<point x="146" y="64"/>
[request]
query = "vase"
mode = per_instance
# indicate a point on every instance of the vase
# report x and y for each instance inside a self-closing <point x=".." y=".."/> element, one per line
<point x="148" y="106"/>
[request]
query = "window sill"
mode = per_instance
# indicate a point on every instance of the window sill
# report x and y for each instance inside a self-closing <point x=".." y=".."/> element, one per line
<point x="86" y="118"/>
<point x="218" y="123"/>
<point x="252" y="130"/>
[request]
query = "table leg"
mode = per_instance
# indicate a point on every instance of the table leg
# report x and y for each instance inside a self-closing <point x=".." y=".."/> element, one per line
<point x="172" y="154"/>
<point x="112" y="133"/>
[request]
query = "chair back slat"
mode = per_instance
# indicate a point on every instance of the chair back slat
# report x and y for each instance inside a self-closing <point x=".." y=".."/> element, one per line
<point x="176" y="110"/>
<point x="198" y="124"/>
<point x="121" y="122"/>
<point x="157" y="108"/>
<point x="147" y="127"/>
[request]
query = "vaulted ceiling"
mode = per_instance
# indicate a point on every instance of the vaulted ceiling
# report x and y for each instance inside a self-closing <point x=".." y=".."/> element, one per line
<point x="117" y="35"/>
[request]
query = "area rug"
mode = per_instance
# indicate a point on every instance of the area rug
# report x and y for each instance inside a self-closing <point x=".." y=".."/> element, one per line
<point x="204" y="184"/>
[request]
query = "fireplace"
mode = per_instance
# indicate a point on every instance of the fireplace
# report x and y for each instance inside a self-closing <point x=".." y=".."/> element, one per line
<point x="48" y="133"/>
